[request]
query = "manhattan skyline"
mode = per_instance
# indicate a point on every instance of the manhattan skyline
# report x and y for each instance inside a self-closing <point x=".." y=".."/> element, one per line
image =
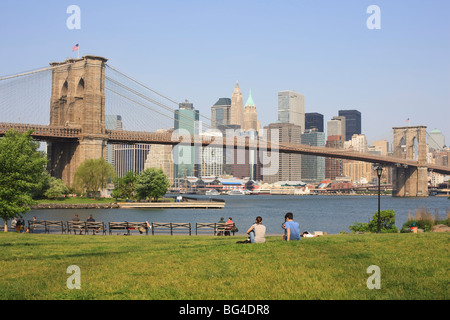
<point x="197" y="50"/>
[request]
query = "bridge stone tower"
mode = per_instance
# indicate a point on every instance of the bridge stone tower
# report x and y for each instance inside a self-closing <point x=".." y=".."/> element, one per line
<point x="410" y="143"/>
<point x="77" y="100"/>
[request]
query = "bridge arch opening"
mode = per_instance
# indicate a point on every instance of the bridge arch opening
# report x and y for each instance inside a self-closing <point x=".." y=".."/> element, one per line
<point x="64" y="90"/>
<point x="79" y="93"/>
<point x="415" y="148"/>
<point x="403" y="145"/>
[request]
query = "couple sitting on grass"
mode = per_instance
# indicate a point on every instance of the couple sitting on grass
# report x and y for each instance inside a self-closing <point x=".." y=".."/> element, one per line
<point x="257" y="232"/>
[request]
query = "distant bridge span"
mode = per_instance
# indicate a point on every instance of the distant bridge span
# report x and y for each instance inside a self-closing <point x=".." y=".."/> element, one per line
<point x="49" y="133"/>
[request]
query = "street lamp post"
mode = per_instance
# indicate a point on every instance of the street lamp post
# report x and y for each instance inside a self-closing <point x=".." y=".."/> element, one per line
<point x="379" y="170"/>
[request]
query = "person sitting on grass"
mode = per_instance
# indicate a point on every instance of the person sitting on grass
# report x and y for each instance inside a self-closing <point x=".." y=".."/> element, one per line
<point x="257" y="231"/>
<point x="292" y="228"/>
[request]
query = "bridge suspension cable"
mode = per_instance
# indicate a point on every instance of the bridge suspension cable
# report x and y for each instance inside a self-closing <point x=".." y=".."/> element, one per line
<point x="152" y="90"/>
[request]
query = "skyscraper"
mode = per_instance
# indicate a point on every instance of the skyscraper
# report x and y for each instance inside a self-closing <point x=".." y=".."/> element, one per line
<point x="436" y="139"/>
<point x="124" y="157"/>
<point x="130" y="157"/>
<point x="314" y="120"/>
<point x="352" y="122"/>
<point x="250" y="115"/>
<point x="291" y="108"/>
<point x="237" y="107"/>
<point x="289" y="165"/>
<point x="220" y="113"/>
<point x="313" y="167"/>
<point x="186" y="158"/>
<point x="334" y="167"/>
<point x="211" y="157"/>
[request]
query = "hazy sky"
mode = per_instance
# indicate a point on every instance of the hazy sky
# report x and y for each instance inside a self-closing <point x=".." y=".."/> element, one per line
<point x="197" y="50"/>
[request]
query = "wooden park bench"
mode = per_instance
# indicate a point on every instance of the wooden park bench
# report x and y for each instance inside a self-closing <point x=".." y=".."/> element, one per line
<point x="128" y="226"/>
<point x="95" y="226"/>
<point x="218" y="228"/>
<point x="86" y="226"/>
<point x="172" y="226"/>
<point x="33" y="225"/>
<point x="54" y="224"/>
<point x="75" y="226"/>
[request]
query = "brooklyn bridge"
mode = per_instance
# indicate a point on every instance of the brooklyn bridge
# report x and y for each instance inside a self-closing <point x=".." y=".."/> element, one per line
<point x="76" y="128"/>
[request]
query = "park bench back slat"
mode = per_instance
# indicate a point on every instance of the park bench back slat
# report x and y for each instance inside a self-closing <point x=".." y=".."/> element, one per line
<point x="171" y="226"/>
<point x="216" y="227"/>
<point x="128" y="226"/>
<point x="86" y="226"/>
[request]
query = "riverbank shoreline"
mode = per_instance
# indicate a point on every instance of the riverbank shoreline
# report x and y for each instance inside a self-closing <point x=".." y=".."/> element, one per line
<point x="134" y="205"/>
<point x="111" y="205"/>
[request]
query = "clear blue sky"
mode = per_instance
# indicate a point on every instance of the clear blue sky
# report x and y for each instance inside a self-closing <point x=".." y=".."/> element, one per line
<point x="197" y="50"/>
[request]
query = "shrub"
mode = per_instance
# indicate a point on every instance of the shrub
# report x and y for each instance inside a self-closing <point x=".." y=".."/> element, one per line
<point x="387" y="219"/>
<point x="424" y="220"/>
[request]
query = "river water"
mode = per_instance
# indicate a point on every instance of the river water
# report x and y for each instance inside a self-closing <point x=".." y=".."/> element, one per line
<point x="330" y="214"/>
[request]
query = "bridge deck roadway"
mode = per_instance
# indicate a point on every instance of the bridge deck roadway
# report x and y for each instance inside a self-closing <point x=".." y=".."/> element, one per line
<point x="41" y="132"/>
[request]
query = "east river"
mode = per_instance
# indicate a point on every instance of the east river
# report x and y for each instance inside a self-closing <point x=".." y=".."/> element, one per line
<point x="331" y="214"/>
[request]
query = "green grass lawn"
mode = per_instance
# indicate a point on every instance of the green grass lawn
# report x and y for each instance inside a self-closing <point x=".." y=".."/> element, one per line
<point x="413" y="266"/>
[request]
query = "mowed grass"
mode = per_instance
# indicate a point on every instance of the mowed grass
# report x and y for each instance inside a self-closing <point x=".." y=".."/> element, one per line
<point x="413" y="266"/>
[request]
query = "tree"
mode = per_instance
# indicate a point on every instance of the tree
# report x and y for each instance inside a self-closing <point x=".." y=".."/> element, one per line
<point x="21" y="168"/>
<point x="124" y="186"/>
<point x="151" y="183"/>
<point x="93" y="175"/>
<point x="387" y="218"/>
<point x="57" y="188"/>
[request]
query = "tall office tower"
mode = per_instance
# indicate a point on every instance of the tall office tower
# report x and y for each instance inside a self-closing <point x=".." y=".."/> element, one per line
<point x="313" y="168"/>
<point x="334" y="167"/>
<point x="112" y="122"/>
<point x="220" y="113"/>
<point x="160" y="157"/>
<point x="186" y="158"/>
<point x="334" y="128"/>
<point x="352" y="122"/>
<point x="358" y="170"/>
<point x="314" y="120"/>
<point x="130" y="158"/>
<point x="343" y="124"/>
<point x="250" y="115"/>
<point x="228" y="153"/>
<point x="246" y="162"/>
<point x="289" y="166"/>
<point x="237" y="107"/>
<point x="211" y="157"/>
<point x="436" y="140"/>
<point x="291" y="108"/>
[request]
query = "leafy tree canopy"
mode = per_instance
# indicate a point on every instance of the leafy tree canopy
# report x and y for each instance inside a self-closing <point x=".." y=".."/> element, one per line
<point x="21" y="169"/>
<point x="151" y="183"/>
<point x="93" y="175"/>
